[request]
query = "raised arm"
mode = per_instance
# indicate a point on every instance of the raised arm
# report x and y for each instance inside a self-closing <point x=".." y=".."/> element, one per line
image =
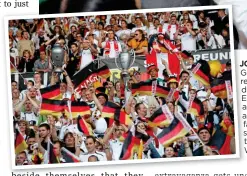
<point x="95" y="99"/>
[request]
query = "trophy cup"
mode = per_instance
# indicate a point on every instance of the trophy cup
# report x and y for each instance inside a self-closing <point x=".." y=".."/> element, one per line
<point x="124" y="62"/>
<point x="57" y="57"/>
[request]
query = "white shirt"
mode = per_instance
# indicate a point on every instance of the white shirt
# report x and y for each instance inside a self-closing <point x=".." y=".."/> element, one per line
<point x="14" y="53"/>
<point x="29" y="117"/>
<point x="100" y="155"/>
<point x="113" y="53"/>
<point x="116" y="148"/>
<point x="165" y="27"/>
<point x="86" y="58"/>
<point x="67" y="95"/>
<point x="92" y="105"/>
<point x="201" y="95"/>
<point x="188" y="42"/>
<point x="36" y="40"/>
<point x="220" y="42"/>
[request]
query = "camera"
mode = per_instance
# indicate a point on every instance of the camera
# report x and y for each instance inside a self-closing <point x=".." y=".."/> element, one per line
<point x="32" y="123"/>
<point x="84" y="138"/>
<point x="34" y="146"/>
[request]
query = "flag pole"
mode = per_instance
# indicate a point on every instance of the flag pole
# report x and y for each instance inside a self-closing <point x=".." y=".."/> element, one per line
<point x="69" y="107"/>
<point x="17" y="71"/>
<point x="184" y="122"/>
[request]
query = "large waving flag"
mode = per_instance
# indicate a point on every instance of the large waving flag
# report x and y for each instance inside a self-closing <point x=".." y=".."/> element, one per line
<point x="20" y="143"/>
<point x="77" y="108"/>
<point x="227" y="126"/>
<point x="109" y="109"/>
<point x="161" y="117"/>
<point x="195" y="107"/>
<point x="221" y="142"/>
<point x="69" y="157"/>
<point x="130" y="147"/>
<point x="201" y="72"/>
<point x="104" y="72"/>
<point x="218" y="88"/>
<point x="117" y="113"/>
<point x="88" y="75"/>
<point x="84" y="127"/>
<point x="148" y="88"/>
<point x="52" y="107"/>
<point x="163" y="49"/>
<point x="51" y="92"/>
<point x="176" y="130"/>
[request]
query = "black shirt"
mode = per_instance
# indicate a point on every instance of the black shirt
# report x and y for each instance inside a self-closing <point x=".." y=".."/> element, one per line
<point x="74" y="60"/>
<point x="71" y="149"/>
<point x="29" y="64"/>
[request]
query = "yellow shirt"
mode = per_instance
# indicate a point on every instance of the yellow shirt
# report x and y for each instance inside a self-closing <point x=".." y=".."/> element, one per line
<point x="137" y="45"/>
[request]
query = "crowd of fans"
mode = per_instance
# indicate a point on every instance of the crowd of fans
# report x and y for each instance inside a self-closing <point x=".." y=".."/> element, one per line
<point x="86" y="38"/>
<point x="28" y="39"/>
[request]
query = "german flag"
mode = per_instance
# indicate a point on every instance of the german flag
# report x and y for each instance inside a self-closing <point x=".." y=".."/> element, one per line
<point x="85" y="75"/>
<point x="221" y="142"/>
<point x="83" y="126"/>
<point x="186" y="55"/>
<point x="110" y="109"/>
<point x="161" y="117"/>
<point x="37" y="159"/>
<point x="69" y="157"/>
<point x="140" y="150"/>
<point x="51" y="92"/>
<point x="115" y="112"/>
<point x="201" y="71"/>
<point x="227" y="127"/>
<point x="52" y="156"/>
<point x="77" y="108"/>
<point x="104" y="72"/>
<point x="145" y="88"/>
<point x="196" y="108"/>
<point x="53" y="107"/>
<point x="130" y="147"/>
<point x="218" y="88"/>
<point x="173" y="132"/>
<point x="12" y="68"/>
<point x="121" y="117"/>
<point x="20" y="143"/>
